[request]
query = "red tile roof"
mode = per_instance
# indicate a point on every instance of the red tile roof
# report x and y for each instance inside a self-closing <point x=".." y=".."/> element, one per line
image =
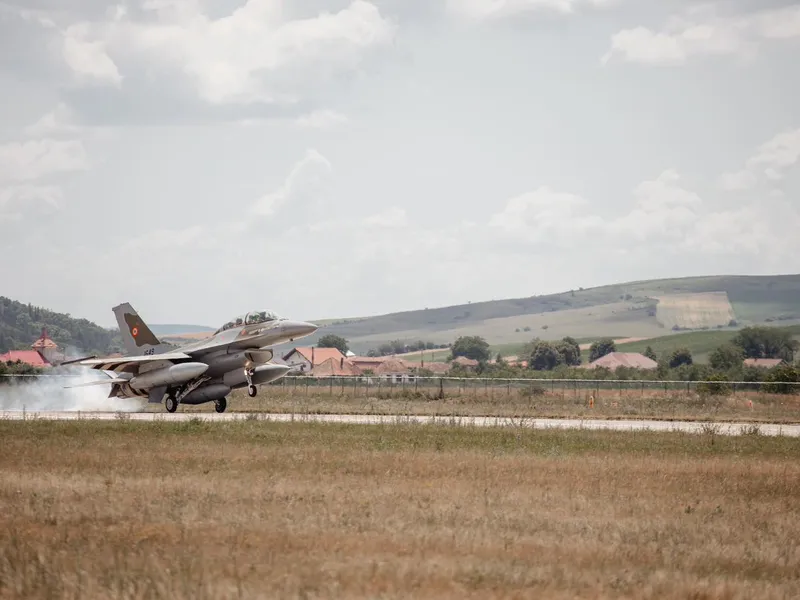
<point x="31" y="357"/>
<point x="624" y="359"/>
<point x="762" y="362"/>
<point x="334" y="367"/>
<point x="320" y="354"/>
<point x="467" y="362"/>
<point x="392" y="366"/>
<point x="437" y="368"/>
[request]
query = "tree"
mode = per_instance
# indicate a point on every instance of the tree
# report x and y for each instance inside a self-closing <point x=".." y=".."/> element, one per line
<point x="570" y="351"/>
<point x="650" y="353"/>
<point x="471" y="346"/>
<point x="544" y="357"/>
<point x="726" y="357"/>
<point x="680" y="357"/>
<point x="600" y="348"/>
<point x="766" y="342"/>
<point x="333" y="341"/>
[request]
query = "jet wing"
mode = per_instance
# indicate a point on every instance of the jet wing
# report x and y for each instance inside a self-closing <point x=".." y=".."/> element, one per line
<point x="108" y="381"/>
<point x="124" y="363"/>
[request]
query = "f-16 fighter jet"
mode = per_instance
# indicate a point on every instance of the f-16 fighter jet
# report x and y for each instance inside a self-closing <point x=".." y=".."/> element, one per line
<point x="207" y="370"/>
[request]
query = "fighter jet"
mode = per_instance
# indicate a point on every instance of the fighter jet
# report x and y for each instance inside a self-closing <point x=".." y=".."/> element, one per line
<point x="234" y="356"/>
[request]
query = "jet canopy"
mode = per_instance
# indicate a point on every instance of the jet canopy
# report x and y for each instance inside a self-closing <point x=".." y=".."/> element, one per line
<point x="254" y="317"/>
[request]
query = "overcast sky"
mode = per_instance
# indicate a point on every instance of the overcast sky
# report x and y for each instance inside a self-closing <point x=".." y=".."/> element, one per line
<point x="332" y="158"/>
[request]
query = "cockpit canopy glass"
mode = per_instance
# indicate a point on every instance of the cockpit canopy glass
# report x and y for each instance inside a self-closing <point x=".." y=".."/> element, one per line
<point x="254" y="317"/>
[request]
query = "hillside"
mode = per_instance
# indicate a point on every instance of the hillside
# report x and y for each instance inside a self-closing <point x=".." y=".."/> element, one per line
<point x="21" y="324"/>
<point x="662" y="309"/>
<point x="644" y="309"/>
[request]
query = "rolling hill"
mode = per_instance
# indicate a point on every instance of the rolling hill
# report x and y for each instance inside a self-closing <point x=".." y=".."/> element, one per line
<point x="642" y="309"/>
<point x="663" y="310"/>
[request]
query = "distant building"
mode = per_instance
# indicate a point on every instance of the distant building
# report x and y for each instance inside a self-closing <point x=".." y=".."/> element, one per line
<point x="30" y="357"/>
<point x="762" y="363"/>
<point x="437" y="368"/>
<point x="368" y="363"/>
<point x="469" y="363"/>
<point x="48" y="349"/>
<point x="305" y="360"/>
<point x="45" y="353"/>
<point x="336" y="368"/>
<point x="633" y="360"/>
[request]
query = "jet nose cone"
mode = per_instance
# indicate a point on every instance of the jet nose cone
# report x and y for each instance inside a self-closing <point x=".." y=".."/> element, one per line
<point x="307" y="328"/>
<point x="299" y="328"/>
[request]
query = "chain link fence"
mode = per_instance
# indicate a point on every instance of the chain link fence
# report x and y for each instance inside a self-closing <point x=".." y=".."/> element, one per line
<point x="518" y="389"/>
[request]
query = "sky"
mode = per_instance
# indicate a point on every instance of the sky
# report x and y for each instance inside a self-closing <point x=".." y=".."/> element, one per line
<point x="344" y="158"/>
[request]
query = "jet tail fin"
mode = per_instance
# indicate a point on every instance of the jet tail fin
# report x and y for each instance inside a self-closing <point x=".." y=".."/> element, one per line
<point x="136" y="335"/>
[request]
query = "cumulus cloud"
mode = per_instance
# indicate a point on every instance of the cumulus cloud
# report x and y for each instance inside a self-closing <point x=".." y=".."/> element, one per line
<point x="59" y="121"/>
<point x="37" y="159"/>
<point x="303" y="184"/>
<point x="770" y="161"/>
<point x="17" y="200"/>
<point x="704" y="32"/>
<point x="253" y="54"/>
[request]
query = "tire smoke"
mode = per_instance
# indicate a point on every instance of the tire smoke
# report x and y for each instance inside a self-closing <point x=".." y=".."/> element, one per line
<point x="47" y="392"/>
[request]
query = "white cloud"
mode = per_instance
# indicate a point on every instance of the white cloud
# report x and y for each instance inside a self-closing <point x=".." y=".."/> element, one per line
<point x="701" y="32"/>
<point x="737" y="181"/>
<point x="777" y="155"/>
<point x="545" y="215"/>
<point x="303" y="184"/>
<point x="88" y="58"/>
<point x="321" y="119"/>
<point x="16" y="200"/>
<point x="494" y="9"/>
<point x="666" y="217"/>
<point x="252" y="54"/>
<point x="60" y="120"/>
<point x="37" y="159"/>
<point x="771" y="160"/>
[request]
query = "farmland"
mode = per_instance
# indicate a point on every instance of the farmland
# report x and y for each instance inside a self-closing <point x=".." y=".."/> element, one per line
<point x="196" y="510"/>
<point x="621" y="310"/>
<point x="640" y="309"/>
<point x="694" y="311"/>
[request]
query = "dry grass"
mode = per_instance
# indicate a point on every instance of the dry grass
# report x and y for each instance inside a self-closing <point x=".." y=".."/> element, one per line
<point x="193" y="510"/>
<point x="533" y="400"/>
<point x="695" y="311"/>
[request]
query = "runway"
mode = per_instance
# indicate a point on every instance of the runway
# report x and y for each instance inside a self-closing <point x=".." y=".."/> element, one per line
<point x="772" y="429"/>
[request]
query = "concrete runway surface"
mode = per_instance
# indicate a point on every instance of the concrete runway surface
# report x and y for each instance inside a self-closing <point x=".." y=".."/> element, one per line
<point x="615" y="425"/>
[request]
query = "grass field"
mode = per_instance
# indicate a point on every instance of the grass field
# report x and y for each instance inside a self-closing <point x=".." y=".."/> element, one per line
<point x="193" y="510"/>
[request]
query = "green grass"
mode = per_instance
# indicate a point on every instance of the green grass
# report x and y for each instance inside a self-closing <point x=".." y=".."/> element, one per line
<point x="701" y="343"/>
<point x="263" y="435"/>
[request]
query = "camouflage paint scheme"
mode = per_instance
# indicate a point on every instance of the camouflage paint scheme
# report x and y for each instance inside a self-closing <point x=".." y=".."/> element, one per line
<point x="206" y="370"/>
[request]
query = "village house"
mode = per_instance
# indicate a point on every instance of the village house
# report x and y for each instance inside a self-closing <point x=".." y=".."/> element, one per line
<point x="762" y="363"/>
<point x="614" y="360"/>
<point x="305" y="360"/>
<point x="45" y="353"/>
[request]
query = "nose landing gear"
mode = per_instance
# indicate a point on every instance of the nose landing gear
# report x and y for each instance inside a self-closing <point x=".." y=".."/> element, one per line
<point x="251" y="388"/>
<point x="220" y="405"/>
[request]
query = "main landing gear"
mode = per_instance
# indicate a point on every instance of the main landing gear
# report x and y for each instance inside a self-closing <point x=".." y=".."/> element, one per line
<point x="220" y="405"/>
<point x="171" y="403"/>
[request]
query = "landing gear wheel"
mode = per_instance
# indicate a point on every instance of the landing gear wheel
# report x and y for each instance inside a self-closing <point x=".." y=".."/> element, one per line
<point x="220" y="405"/>
<point x="252" y="391"/>
<point x="171" y="403"/>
